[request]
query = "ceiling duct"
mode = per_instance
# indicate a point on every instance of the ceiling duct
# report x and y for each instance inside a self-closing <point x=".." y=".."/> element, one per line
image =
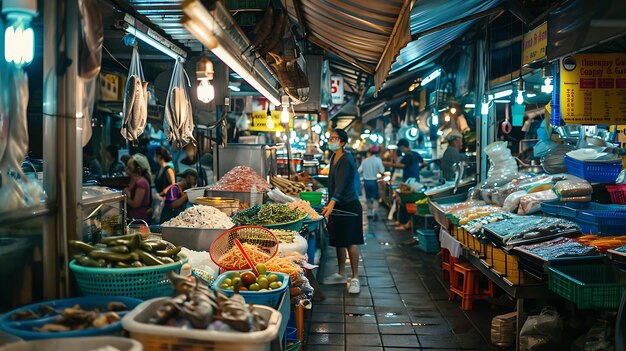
<point x="219" y="32"/>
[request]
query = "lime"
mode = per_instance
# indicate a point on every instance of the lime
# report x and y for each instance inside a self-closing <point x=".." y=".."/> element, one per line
<point x="235" y="275"/>
<point x="260" y="267"/>
<point x="275" y="285"/>
<point x="227" y="281"/>
<point x="272" y="278"/>
<point x="254" y="287"/>
<point x="224" y="286"/>
<point x="263" y="290"/>
<point x="236" y="281"/>
<point x="263" y="282"/>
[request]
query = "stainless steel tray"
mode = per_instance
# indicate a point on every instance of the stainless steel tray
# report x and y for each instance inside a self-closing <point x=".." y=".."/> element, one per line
<point x="197" y="239"/>
<point x="245" y="198"/>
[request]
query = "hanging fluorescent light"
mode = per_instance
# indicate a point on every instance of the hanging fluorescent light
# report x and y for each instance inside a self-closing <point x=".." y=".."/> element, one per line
<point x="284" y="115"/>
<point x="234" y="87"/>
<point x="201" y="24"/>
<point x="152" y="42"/>
<point x="19" y="37"/>
<point x="470" y="105"/>
<point x="531" y="95"/>
<point x="431" y="77"/>
<point x="502" y="101"/>
<point x="484" y="107"/>
<point x="502" y="94"/>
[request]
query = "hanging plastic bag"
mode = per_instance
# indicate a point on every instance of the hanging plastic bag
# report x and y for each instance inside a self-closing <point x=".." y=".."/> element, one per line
<point x="135" y="101"/>
<point x="178" y="123"/>
<point x="542" y="332"/>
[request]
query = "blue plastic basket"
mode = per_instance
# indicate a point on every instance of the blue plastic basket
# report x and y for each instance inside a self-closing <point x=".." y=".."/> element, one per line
<point x="141" y="283"/>
<point x="569" y="210"/>
<point x="427" y="241"/>
<point x="603" y="223"/>
<point x="269" y="298"/>
<point x="594" y="171"/>
<point x="24" y="329"/>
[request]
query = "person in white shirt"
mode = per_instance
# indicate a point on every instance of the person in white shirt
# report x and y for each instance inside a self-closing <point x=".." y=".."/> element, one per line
<point x="369" y="170"/>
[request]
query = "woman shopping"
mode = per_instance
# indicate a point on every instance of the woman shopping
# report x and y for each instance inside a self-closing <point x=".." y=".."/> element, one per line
<point x="165" y="178"/>
<point x="343" y="212"/>
<point x="138" y="193"/>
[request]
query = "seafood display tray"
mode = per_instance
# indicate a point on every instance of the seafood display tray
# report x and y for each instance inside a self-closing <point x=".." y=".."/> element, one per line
<point x="497" y="239"/>
<point x="23" y="329"/>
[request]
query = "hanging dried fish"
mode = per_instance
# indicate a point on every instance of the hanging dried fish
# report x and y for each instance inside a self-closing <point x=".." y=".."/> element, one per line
<point x="178" y="123"/>
<point x="135" y="101"/>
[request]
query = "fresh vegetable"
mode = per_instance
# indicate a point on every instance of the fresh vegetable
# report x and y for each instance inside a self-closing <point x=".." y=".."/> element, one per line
<point x="126" y="251"/>
<point x="268" y="214"/>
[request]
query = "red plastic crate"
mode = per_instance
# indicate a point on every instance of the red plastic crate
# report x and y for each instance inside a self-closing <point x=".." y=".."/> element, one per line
<point x="618" y="193"/>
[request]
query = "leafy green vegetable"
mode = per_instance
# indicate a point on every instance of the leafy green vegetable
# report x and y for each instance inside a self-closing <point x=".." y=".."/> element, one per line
<point x="267" y="214"/>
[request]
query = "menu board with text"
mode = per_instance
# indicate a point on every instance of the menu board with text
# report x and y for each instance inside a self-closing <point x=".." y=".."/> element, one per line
<point x="593" y="89"/>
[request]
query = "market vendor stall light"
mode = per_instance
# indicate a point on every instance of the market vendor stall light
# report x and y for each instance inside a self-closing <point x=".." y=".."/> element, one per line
<point x="152" y="42"/>
<point x="434" y="120"/>
<point x="531" y="95"/>
<point x="269" y="122"/>
<point x="204" y="73"/>
<point x="502" y="94"/>
<point x="284" y="115"/>
<point x="520" y="98"/>
<point x="19" y="37"/>
<point x="484" y="107"/>
<point x="202" y="25"/>
<point x="446" y="118"/>
<point x="547" y="86"/>
<point x="453" y="111"/>
<point x="431" y="77"/>
<point x="234" y="87"/>
<point x="470" y="105"/>
<point x="317" y="129"/>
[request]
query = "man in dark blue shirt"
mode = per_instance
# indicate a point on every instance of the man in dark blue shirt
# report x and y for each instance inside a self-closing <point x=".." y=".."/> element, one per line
<point x="411" y="161"/>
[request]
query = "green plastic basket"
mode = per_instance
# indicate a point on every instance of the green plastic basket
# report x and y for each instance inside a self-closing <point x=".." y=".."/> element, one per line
<point x="590" y="286"/>
<point x="313" y="197"/>
<point x="411" y="197"/>
<point x="141" y="283"/>
<point x="293" y="225"/>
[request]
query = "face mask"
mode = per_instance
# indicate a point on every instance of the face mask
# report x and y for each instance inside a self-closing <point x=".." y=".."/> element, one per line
<point x="333" y="146"/>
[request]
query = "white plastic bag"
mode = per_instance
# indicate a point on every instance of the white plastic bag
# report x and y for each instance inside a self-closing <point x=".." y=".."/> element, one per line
<point x="178" y="124"/>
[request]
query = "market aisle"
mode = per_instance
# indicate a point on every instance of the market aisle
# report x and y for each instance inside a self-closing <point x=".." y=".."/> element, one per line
<point x="402" y="304"/>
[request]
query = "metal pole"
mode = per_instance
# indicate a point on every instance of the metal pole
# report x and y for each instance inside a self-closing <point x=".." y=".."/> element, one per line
<point x="50" y="180"/>
<point x="69" y="148"/>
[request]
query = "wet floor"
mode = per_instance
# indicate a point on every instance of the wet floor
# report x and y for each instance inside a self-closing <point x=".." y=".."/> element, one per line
<point x="403" y="305"/>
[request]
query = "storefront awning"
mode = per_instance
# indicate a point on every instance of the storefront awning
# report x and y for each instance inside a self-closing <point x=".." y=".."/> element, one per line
<point x="368" y="35"/>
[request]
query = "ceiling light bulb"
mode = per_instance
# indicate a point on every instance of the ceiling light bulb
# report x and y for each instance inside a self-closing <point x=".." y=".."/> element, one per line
<point x="269" y="122"/>
<point x="453" y="110"/>
<point x="305" y="125"/>
<point x="447" y="118"/>
<point x="205" y="91"/>
<point x="520" y="98"/>
<point x="278" y="133"/>
<point x="284" y="116"/>
<point x="548" y="81"/>
<point x="19" y="44"/>
<point x="435" y="120"/>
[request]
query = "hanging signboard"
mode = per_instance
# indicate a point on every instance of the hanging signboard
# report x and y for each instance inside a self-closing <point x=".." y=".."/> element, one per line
<point x="336" y="89"/>
<point x="259" y="122"/>
<point x="593" y="89"/>
<point x="535" y="43"/>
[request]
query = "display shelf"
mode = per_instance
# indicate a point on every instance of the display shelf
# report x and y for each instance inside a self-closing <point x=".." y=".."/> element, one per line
<point x="24" y="214"/>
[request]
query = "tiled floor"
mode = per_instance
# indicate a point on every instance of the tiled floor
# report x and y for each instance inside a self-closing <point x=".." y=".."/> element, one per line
<point x="402" y="305"/>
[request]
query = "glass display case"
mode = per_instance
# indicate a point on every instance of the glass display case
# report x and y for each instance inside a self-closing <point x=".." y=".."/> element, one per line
<point x="103" y="213"/>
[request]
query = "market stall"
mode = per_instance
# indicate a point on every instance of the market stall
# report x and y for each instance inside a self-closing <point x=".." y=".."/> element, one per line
<point x="539" y="236"/>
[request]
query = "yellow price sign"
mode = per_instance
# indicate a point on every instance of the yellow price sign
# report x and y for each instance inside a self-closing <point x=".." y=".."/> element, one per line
<point x="593" y="89"/>
<point x="259" y="123"/>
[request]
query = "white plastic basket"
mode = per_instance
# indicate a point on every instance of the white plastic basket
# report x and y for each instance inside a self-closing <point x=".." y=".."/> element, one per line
<point x="164" y="338"/>
<point x="75" y="344"/>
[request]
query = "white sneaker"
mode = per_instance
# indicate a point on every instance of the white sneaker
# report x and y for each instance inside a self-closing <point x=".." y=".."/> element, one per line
<point x="334" y="278"/>
<point x="354" y="287"/>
